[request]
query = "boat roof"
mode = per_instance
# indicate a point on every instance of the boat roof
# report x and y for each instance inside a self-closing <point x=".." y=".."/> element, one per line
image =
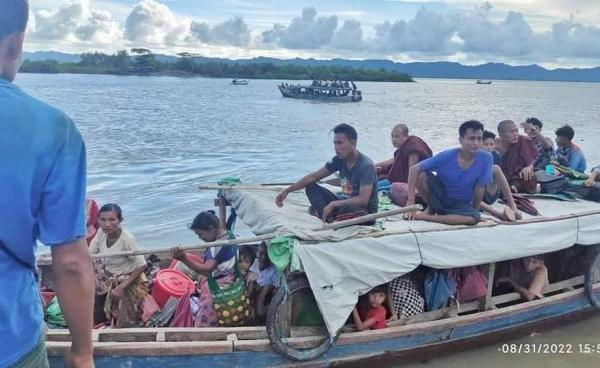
<point x="342" y="264"/>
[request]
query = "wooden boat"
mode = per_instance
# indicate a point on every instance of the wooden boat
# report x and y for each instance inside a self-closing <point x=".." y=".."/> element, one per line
<point x="495" y="319"/>
<point x="479" y="81"/>
<point x="239" y="82"/>
<point x="318" y="93"/>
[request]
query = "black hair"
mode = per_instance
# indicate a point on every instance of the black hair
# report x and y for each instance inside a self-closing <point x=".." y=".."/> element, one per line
<point x="205" y="220"/>
<point x="474" y="125"/>
<point x="379" y="289"/>
<point x="112" y="207"/>
<point x="267" y="259"/>
<point x="247" y="251"/>
<point x="487" y="135"/>
<point x="13" y="17"/>
<point x="565" y="131"/>
<point x="346" y="130"/>
<point x="534" y="121"/>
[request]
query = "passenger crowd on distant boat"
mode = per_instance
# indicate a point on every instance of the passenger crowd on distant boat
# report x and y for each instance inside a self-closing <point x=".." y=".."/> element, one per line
<point x="455" y="186"/>
<point x="317" y="88"/>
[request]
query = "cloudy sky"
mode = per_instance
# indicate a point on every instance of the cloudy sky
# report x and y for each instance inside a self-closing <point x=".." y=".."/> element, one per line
<point x="553" y="33"/>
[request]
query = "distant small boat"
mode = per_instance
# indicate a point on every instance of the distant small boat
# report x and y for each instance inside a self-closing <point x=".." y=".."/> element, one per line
<point x="479" y="81"/>
<point x="239" y="82"/>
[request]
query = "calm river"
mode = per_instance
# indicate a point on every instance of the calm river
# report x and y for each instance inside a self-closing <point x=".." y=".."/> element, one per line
<point x="152" y="140"/>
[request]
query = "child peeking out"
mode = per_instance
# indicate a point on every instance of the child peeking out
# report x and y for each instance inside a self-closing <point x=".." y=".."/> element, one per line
<point x="527" y="276"/>
<point x="267" y="280"/>
<point x="373" y="317"/>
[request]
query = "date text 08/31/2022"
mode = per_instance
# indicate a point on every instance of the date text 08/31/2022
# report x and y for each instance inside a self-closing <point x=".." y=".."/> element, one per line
<point x="543" y="348"/>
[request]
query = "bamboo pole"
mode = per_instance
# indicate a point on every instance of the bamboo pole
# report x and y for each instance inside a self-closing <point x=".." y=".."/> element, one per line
<point x="240" y="187"/>
<point x="253" y="239"/>
<point x="489" y="302"/>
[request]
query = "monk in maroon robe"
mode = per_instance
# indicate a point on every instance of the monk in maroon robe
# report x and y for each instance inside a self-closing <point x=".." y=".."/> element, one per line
<point x="518" y="155"/>
<point x="410" y="150"/>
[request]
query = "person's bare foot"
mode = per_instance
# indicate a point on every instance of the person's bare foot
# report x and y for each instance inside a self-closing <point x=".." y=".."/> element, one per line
<point x="518" y="214"/>
<point x="420" y="215"/>
<point x="509" y="214"/>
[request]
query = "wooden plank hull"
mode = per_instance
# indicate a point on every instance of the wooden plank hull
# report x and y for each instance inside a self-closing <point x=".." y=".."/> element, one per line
<point x="399" y="343"/>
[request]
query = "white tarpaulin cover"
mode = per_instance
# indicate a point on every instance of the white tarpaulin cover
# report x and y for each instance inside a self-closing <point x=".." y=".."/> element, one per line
<point x="341" y="265"/>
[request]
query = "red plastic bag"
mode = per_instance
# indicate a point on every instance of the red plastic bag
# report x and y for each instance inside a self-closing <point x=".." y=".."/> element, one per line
<point x="183" y="314"/>
<point x="472" y="284"/>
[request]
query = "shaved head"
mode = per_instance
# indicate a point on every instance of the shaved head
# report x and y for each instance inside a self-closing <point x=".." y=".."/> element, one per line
<point x="402" y="128"/>
<point x="505" y="124"/>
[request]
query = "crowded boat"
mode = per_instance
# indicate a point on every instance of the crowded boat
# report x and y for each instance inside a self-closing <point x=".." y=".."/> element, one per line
<point x="417" y="237"/>
<point x="329" y="91"/>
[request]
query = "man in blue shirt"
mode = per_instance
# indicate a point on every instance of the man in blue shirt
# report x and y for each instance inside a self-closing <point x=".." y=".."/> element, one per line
<point x="568" y="153"/>
<point x="42" y="186"/>
<point x="454" y="195"/>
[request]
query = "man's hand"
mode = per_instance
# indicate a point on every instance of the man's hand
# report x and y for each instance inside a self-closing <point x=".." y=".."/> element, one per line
<point x="327" y="210"/>
<point x="526" y="173"/>
<point x="73" y="360"/>
<point x="118" y="292"/>
<point x="281" y="197"/>
<point x="178" y="254"/>
<point x="411" y="214"/>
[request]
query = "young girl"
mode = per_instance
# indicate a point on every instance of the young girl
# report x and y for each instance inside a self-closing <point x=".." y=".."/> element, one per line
<point x="373" y="317"/>
<point x="218" y="262"/>
<point x="120" y="281"/>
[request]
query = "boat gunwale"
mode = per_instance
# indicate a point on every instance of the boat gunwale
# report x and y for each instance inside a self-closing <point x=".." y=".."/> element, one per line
<point x="263" y="345"/>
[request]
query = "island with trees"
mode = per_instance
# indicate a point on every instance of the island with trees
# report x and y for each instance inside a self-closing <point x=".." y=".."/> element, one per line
<point x="141" y="61"/>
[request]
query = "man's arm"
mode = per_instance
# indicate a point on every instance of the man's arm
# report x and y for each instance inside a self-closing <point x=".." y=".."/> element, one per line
<point x="478" y="196"/>
<point x="361" y="200"/>
<point x="74" y="282"/>
<point x="413" y="159"/>
<point x="385" y="163"/>
<point x="302" y="183"/>
<point x="546" y="141"/>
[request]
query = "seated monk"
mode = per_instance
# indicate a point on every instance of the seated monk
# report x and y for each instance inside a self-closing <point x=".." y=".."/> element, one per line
<point x="410" y="150"/>
<point x="518" y="153"/>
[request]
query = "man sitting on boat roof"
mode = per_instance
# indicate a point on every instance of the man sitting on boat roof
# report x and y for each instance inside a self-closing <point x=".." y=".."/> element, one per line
<point x="358" y="194"/>
<point x="518" y="154"/>
<point x="454" y="195"/>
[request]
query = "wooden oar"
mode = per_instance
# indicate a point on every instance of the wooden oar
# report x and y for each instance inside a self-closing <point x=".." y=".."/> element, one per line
<point x="253" y="239"/>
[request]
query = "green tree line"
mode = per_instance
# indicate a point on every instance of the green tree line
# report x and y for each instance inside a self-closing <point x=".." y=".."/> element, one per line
<point x="140" y="61"/>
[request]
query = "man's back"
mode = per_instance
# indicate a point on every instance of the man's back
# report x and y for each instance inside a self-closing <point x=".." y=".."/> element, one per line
<point x="42" y="181"/>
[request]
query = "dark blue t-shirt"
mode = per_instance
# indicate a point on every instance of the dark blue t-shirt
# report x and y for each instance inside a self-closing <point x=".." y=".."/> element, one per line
<point x="460" y="183"/>
<point x="362" y="173"/>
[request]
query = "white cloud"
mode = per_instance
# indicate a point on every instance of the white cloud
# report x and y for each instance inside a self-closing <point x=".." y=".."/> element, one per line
<point x="349" y="36"/>
<point x="232" y="32"/>
<point x="306" y="32"/>
<point x="76" y="22"/>
<point x="428" y="32"/>
<point x="151" y="22"/>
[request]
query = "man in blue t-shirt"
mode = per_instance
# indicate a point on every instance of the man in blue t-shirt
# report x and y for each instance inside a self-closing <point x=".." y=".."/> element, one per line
<point x="358" y="195"/>
<point x="42" y="186"/>
<point x="454" y="195"/>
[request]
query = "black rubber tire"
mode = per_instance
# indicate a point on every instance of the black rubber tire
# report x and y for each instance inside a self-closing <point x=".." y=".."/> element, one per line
<point x="294" y="284"/>
<point x="592" y="271"/>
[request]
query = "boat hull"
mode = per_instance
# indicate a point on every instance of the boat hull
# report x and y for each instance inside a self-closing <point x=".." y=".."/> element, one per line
<point x="287" y="92"/>
<point x="399" y="343"/>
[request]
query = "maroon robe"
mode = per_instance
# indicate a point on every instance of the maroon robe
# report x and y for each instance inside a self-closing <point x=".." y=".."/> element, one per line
<point x="398" y="172"/>
<point x="518" y="156"/>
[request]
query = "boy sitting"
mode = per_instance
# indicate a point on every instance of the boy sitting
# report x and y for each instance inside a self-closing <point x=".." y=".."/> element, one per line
<point x="267" y="281"/>
<point x="499" y="185"/>
<point x="527" y="276"/>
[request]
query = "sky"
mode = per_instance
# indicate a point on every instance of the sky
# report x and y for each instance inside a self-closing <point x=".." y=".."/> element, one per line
<point x="552" y="33"/>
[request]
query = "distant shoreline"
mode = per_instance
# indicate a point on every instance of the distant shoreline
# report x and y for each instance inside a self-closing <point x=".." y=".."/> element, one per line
<point x="144" y="64"/>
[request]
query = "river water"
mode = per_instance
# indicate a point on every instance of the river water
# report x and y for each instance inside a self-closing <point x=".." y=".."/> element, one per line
<point x="152" y="140"/>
